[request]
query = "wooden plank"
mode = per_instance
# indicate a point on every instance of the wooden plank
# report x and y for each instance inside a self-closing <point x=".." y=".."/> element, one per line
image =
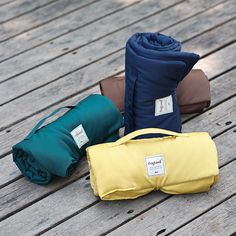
<point x="218" y="221"/>
<point x="64" y="25"/>
<point x="222" y="88"/>
<point x="20" y="7"/>
<point x="5" y="2"/>
<point x="49" y="13"/>
<point x="197" y="25"/>
<point x="96" y="30"/>
<point x="114" y="42"/>
<point x="37" y="36"/>
<point x="219" y="118"/>
<point x="10" y="204"/>
<point x="179" y="209"/>
<point x="213" y="63"/>
<point x="22" y="193"/>
<point x="8" y="170"/>
<point x="107" y="215"/>
<point x="82" y="79"/>
<point x="211" y="39"/>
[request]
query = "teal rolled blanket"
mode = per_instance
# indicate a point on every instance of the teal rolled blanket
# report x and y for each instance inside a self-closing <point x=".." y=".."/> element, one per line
<point x="55" y="149"/>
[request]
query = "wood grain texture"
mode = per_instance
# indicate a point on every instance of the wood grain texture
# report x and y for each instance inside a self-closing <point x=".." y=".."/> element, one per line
<point x="219" y="221"/>
<point x="100" y="48"/>
<point x="17" y="8"/>
<point x="215" y="120"/>
<point x="177" y="210"/>
<point x="78" y="38"/>
<point x="42" y="34"/>
<point x="38" y="17"/>
<point x="107" y="215"/>
<point x="8" y="170"/>
<point x="5" y="2"/>
<point x="62" y="25"/>
<point x="22" y="193"/>
<point x="212" y="64"/>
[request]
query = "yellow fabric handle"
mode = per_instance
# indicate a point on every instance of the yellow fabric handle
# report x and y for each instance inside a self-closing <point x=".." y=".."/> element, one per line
<point x="147" y="131"/>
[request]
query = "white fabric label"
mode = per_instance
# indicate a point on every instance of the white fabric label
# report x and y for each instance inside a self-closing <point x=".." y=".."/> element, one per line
<point x="79" y="136"/>
<point x="155" y="165"/>
<point x="163" y="106"/>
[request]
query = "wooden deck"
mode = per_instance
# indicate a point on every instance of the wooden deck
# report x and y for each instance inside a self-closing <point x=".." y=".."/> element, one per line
<point x="54" y="52"/>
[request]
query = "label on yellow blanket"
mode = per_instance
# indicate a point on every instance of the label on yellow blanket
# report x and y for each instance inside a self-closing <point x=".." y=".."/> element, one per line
<point x="163" y="106"/>
<point x="155" y="165"/>
<point x="79" y="136"/>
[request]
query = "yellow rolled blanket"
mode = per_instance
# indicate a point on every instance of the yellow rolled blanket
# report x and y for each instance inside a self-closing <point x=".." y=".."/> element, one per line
<point x="180" y="163"/>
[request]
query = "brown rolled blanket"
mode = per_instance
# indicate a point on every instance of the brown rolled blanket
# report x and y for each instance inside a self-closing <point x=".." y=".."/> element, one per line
<point x="193" y="92"/>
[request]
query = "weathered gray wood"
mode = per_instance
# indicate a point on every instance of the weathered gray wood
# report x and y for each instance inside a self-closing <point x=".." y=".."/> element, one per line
<point x="4" y="2"/>
<point x="213" y="63"/>
<point x="110" y="44"/>
<point x="107" y="215"/>
<point x="215" y="120"/>
<point x="63" y="202"/>
<point x="21" y="193"/>
<point x="179" y="209"/>
<point x="37" y="36"/>
<point x="8" y="170"/>
<point x="95" y="30"/>
<point x="20" y="186"/>
<point x="20" y="7"/>
<point x="62" y="25"/>
<point x="198" y="24"/>
<point x="219" y="221"/>
<point x="72" y="83"/>
<point x="40" y="16"/>
<point x="213" y="39"/>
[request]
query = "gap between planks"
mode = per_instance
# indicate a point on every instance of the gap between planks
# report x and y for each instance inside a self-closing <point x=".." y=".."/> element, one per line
<point x="57" y="50"/>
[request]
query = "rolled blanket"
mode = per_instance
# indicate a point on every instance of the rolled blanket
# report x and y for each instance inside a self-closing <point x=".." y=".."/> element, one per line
<point x="176" y="164"/>
<point x="154" y="65"/>
<point x="193" y="92"/>
<point x="56" y="148"/>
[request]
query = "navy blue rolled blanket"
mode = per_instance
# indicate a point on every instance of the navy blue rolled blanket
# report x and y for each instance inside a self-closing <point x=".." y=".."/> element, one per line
<point x="154" y="65"/>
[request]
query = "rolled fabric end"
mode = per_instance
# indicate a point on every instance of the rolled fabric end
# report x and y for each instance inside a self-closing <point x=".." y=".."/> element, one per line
<point x="30" y="168"/>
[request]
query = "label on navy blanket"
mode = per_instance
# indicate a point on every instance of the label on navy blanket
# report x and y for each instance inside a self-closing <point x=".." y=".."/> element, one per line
<point x="79" y="136"/>
<point x="155" y="165"/>
<point x="163" y="106"/>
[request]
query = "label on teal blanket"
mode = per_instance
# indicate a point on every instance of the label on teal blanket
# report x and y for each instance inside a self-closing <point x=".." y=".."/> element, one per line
<point x="80" y="136"/>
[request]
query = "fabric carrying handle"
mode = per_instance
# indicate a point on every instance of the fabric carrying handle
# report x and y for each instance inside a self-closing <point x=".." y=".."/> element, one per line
<point x="36" y="127"/>
<point x="147" y="131"/>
